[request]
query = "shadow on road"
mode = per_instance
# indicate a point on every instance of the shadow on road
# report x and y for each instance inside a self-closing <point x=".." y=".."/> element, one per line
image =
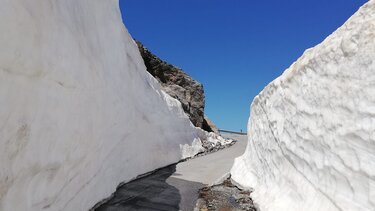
<point x="151" y="193"/>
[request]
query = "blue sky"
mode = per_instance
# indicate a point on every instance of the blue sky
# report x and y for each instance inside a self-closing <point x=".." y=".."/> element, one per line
<point x="233" y="47"/>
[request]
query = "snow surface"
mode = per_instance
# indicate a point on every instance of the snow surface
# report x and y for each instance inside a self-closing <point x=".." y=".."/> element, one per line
<point x="217" y="140"/>
<point x="312" y="130"/>
<point x="79" y="114"/>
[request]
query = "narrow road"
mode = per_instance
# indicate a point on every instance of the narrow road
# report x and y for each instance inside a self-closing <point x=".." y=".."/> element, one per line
<point x="176" y="187"/>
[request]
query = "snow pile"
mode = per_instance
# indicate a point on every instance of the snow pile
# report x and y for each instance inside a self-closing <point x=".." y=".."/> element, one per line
<point x="217" y="140"/>
<point x="312" y="130"/>
<point x="79" y="113"/>
<point x="208" y="142"/>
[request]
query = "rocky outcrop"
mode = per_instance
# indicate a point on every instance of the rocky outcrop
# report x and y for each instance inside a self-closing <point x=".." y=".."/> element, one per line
<point x="312" y="130"/>
<point x="180" y="86"/>
<point x="208" y="125"/>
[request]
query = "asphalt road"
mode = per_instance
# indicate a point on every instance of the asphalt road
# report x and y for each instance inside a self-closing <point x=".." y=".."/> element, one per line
<point x="176" y="187"/>
<point x="210" y="169"/>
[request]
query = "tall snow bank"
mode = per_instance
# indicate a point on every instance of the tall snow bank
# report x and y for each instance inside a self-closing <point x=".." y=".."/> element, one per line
<point x="312" y="130"/>
<point x="78" y="112"/>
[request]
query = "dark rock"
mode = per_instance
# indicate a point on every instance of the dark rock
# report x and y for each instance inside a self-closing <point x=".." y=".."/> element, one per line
<point x="208" y="125"/>
<point x="180" y="86"/>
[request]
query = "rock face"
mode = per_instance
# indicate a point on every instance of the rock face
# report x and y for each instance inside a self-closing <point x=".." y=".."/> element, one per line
<point x="79" y="113"/>
<point x="179" y="85"/>
<point x="312" y="130"/>
<point x="209" y="126"/>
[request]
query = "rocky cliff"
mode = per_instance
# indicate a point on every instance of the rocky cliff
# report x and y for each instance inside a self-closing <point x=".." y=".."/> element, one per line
<point x="312" y="130"/>
<point x="180" y="86"/>
<point x="79" y="114"/>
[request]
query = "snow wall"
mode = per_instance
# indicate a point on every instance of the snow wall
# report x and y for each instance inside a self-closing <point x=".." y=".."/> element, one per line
<point x="79" y="114"/>
<point x="312" y="130"/>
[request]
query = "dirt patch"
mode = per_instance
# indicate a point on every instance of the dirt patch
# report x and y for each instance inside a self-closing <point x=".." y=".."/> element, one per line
<point x="224" y="197"/>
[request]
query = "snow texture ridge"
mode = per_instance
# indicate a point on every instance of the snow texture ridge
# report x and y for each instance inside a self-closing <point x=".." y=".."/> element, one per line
<point x="79" y="114"/>
<point x="312" y="130"/>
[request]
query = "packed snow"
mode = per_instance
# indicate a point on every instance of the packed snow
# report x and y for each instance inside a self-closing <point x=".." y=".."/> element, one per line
<point x="216" y="140"/>
<point x="312" y="130"/>
<point x="79" y="113"/>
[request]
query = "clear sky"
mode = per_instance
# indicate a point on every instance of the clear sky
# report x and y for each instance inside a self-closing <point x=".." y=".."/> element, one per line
<point x="233" y="47"/>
